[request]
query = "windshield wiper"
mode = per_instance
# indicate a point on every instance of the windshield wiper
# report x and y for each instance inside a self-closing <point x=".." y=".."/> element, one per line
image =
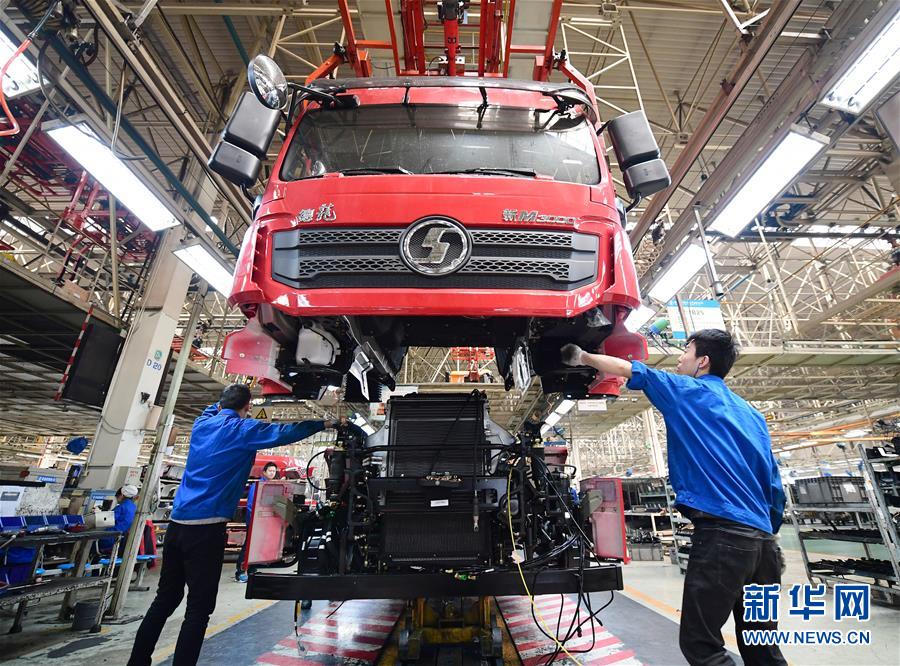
<point x="365" y="171"/>
<point x="496" y="171"/>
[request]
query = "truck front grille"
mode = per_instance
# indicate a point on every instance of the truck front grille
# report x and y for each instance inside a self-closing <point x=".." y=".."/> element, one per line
<point x="370" y="258"/>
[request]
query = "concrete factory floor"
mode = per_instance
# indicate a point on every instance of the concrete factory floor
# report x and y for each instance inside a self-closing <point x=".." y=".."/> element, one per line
<point x="641" y="621"/>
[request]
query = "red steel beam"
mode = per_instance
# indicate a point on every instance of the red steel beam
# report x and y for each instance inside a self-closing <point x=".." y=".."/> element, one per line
<point x="509" y="32"/>
<point x="579" y="79"/>
<point x="373" y="44"/>
<point x="489" y="33"/>
<point x="542" y="68"/>
<point x="408" y="27"/>
<point x="414" y="36"/>
<point x="389" y="10"/>
<point x="356" y="58"/>
<point x="482" y="37"/>
<point x="520" y="48"/>
<point x="326" y="68"/>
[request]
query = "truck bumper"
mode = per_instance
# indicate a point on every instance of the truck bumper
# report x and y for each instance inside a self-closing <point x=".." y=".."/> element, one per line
<point x="412" y="586"/>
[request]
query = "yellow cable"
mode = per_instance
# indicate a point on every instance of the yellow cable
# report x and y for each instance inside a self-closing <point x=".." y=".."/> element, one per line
<point x="512" y="536"/>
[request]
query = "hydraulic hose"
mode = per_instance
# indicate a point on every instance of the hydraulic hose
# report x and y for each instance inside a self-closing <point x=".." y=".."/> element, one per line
<point x="11" y="119"/>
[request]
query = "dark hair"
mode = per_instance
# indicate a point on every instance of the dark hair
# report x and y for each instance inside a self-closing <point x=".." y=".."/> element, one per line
<point x="268" y="465"/>
<point x="718" y="346"/>
<point x="235" y="396"/>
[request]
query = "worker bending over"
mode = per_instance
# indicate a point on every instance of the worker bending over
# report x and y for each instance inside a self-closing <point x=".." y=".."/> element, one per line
<point x="223" y="447"/>
<point x="726" y="482"/>
<point x="123" y="514"/>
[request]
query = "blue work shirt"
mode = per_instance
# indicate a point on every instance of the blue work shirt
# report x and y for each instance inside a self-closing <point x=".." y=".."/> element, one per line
<point x="124" y="515"/>
<point x="223" y="447"/>
<point x="720" y="454"/>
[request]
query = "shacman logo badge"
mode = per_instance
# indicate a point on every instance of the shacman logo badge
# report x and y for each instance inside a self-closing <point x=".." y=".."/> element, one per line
<point x="435" y="246"/>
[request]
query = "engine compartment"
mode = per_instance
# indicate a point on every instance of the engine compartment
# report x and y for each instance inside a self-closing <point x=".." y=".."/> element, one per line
<point x="441" y="496"/>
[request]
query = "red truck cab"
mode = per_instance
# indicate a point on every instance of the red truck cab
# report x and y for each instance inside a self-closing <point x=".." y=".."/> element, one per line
<point x="435" y="211"/>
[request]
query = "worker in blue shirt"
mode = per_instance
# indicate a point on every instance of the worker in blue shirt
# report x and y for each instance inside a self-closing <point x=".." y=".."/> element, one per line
<point x="223" y="447"/>
<point x="124" y="515"/>
<point x="726" y="481"/>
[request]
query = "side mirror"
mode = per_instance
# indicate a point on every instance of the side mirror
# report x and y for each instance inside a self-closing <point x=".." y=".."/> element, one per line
<point x="245" y="141"/>
<point x="646" y="178"/>
<point x="638" y="155"/>
<point x="632" y="140"/>
<point x="268" y="82"/>
<point x="235" y="164"/>
<point x="252" y="126"/>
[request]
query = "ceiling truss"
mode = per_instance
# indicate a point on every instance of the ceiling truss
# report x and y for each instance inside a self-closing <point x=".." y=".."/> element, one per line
<point x="718" y="80"/>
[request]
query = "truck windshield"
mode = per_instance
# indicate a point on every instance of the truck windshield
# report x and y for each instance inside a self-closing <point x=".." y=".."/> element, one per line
<point x="499" y="141"/>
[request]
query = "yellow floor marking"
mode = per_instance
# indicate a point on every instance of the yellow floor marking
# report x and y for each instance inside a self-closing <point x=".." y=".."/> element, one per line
<point x="670" y="612"/>
<point x="167" y="651"/>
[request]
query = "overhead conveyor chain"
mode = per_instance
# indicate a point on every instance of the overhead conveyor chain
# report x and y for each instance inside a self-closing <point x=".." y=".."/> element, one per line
<point x="373" y="631"/>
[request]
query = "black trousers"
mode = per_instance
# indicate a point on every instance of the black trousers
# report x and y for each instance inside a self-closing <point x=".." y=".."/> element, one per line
<point x="192" y="556"/>
<point x="724" y="557"/>
<point x="239" y="563"/>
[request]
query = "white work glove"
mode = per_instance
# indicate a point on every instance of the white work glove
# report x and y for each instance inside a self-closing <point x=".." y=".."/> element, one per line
<point x="571" y="354"/>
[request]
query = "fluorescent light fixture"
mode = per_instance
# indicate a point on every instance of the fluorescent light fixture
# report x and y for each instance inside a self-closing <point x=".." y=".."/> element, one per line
<point x="564" y="407"/>
<point x="788" y="159"/>
<point x="22" y="75"/>
<point x="871" y="72"/>
<point x="120" y="181"/>
<point x="359" y="420"/>
<point x="850" y="434"/>
<point x="552" y="419"/>
<point x="638" y="318"/>
<point x="679" y="272"/>
<point x="203" y="263"/>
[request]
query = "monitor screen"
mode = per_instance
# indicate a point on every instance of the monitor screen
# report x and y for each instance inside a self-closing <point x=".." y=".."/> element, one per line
<point x="94" y="364"/>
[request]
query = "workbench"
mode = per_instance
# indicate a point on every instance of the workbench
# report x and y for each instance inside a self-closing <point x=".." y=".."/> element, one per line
<point x="68" y="583"/>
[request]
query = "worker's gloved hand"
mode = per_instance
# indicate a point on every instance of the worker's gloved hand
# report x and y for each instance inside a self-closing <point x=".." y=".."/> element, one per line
<point x="571" y="354"/>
